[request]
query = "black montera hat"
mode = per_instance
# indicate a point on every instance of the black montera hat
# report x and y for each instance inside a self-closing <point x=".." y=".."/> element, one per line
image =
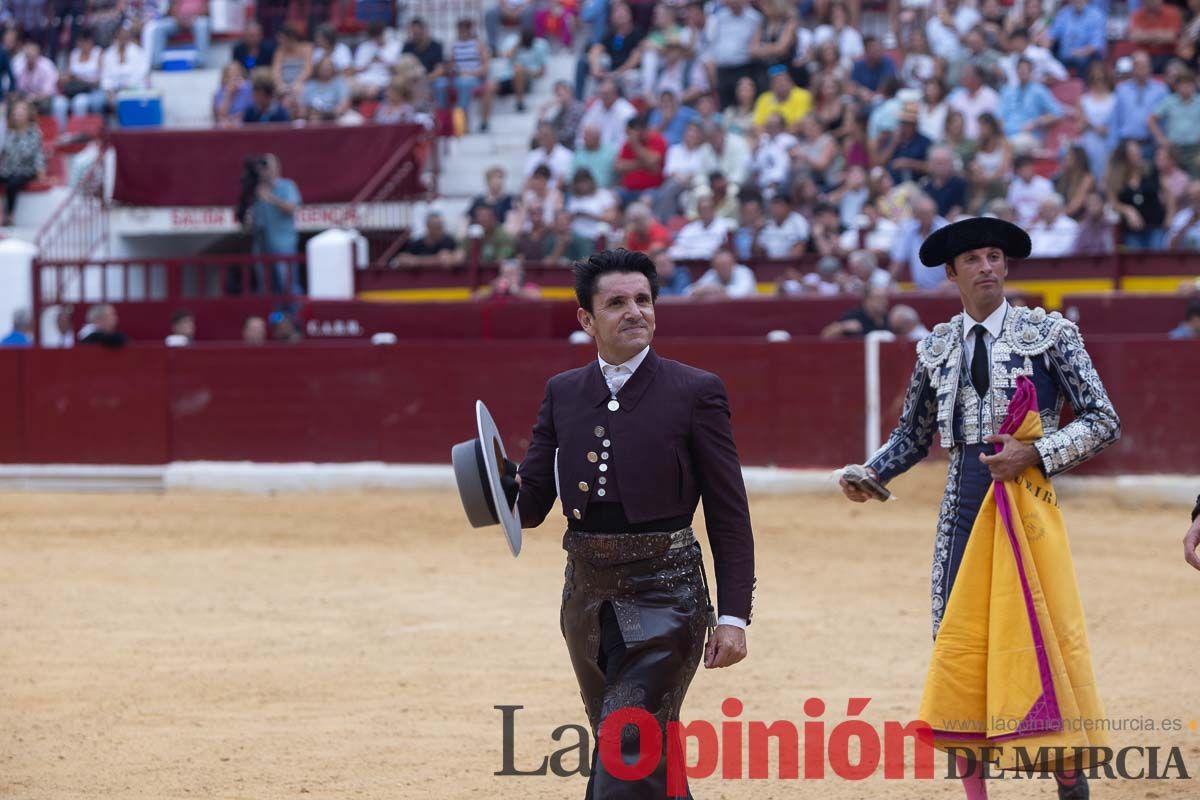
<point x="970" y="234"/>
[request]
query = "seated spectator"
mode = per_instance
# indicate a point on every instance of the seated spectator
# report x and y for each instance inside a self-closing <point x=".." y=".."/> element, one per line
<point x="948" y="190"/>
<point x="467" y="70"/>
<point x="945" y="29"/>
<point x="534" y="237"/>
<point x="1046" y="68"/>
<point x="673" y="281"/>
<point x="1080" y="35"/>
<point x="35" y="76"/>
<point x="841" y="35"/>
<point x="684" y="77"/>
<point x="1053" y="233"/>
<point x="564" y="243"/>
<point x="233" y="97"/>
<point x="101" y="327"/>
<point x="825" y="281"/>
<point x="593" y="211"/>
<point x="851" y="196"/>
<point x="981" y="55"/>
<point x="397" y="105"/>
<point x="701" y="238"/>
<point x="1136" y="101"/>
<point x="731" y="152"/>
<point x="905" y="322"/>
<point x="1027" y="107"/>
<point x="640" y="161"/>
<point x="507" y="13"/>
<point x="183" y="329"/>
<point x="264" y="106"/>
<point x="123" y="66"/>
<point x="541" y="191"/>
<point x="1027" y="191"/>
<point x="1176" y="121"/>
<point x="522" y="61"/>
<point x="724" y="196"/>
<point x="785" y="233"/>
<point x="182" y="15"/>
<point x="1184" y="233"/>
<point x="919" y="65"/>
<point x="738" y="118"/>
<point x="293" y="65"/>
<point x="326" y="45"/>
<point x="374" y="59"/>
<point x="326" y="95"/>
<point x="671" y="119"/>
<point x="905" y="151"/>
<point x="252" y="50"/>
<point x="510" y="283"/>
<point x="643" y="233"/>
<point x="555" y="21"/>
<point x="496" y="197"/>
<point x="826" y="230"/>
<point x="990" y="170"/>
<point x="905" y="259"/>
<point x="771" y="162"/>
<point x="284" y="327"/>
<point x="871" y="315"/>
<point x="565" y="113"/>
<point x="869" y="72"/>
<point x="816" y="155"/>
<point x="1172" y="180"/>
<point x="863" y="271"/>
<point x="551" y="153"/>
<point x="1190" y="327"/>
<point x="1135" y="194"/>
<point x="727" y="279"/>
<point x="1156" y="26"/>
<point x="79" y="86"/>
<point x="751" y="220"/>
<point x="973" y="98"/>
<point x="254" y="331"/>
<point x="784" y="98"/>
<point x="436" y="247"/>
<point x="617" y="54"/>
<point x="424" y="48"/>
<point x="687" y="167"/>
<point x="596" y="156"/>
<point x="610" y="112"/>
<point x="495" y="243"/>
<point x="22" y="157"/>
<point x="933" y="110"/>
<point x="1095" y="235"/>
<point x="21" y="334"/>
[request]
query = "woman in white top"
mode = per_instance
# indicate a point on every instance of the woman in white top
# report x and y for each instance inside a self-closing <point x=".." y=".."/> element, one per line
<point x="849" y="41"/>
<point x="932" y="111"/>
<point x="79" y="85"/>
<point x="325" y="43"/>
<point x="124" y="65"/>
<point x="919" y="64"/>
<point x="687" y="167"/>
<point x="1096" y="105"/>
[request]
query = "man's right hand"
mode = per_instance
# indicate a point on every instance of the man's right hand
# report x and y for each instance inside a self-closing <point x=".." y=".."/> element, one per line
<point x="1190" y="542"/>
<point x="853" y="492"/>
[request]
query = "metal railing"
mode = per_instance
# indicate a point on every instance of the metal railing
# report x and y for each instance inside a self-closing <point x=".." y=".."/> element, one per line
<point x="79" y="226"/>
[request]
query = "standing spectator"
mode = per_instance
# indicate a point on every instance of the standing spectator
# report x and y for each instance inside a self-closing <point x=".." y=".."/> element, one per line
<point x="36" y="76"/>
<point x="1156" y="26"/>
<point x="673" y="281"/>
<point x="79" y="87"/>
<point x="593" y="211"/>
<point x="564" y="112"/>
<point x="1095" y="235"/>
<point x="183" y="329"/>
<point x="495" y="197"/>
<point x="1027" y="108"/>
<point x="610" y="112"/>
<point x="1134" y="193"/>
<point x="374" y="59"/>
<point x="871" y="315"/>
<point x="101" y="327"/>
<point x="775" y="42"/>
<point x="1075" y="182"/>
<point x="615" y="56"/>
<point x="905" y="256"/>
<point x="467" y="69"/>
<point x="643" y="233"/>
<point x="785" y="233"/>
<point x="522" y="61"/>
<point x="1053" y="233"/>
<point x="640" y="161"/>
<point x="549" y="152"/>
<point x="124" y="66"/>
<point x="905" y="151"/>
<point x="22" y="159"/>
<point x="784" y="98"/>
<point x="234" y="96"/>
<point x="686" y="168"/>
<point x="596" y="156"/>
<point x="264" y="107"/>
<point x="252" y="50"/>
<point x="21" y="334"/>
<point x="869" y="72"/>
<point x="512" y="13"/>
<point x="292" y="66"/>
<point x="701" y="238"/>
<point x="1027" y="191"/>
<point x="272" y="222"/>
<point x="1137" y="100"/>
<point x="425" y="48"/>
<point x="326" y="95"/>
<point x="1176" y="122"/>
<point x="1096" y="111"/>
<point x="326" y="45"/>
<point x="1080" y="35"/>
<point x="973" y="99"/>
<point x="181" y="15"/>
<point x="1184" y="233"/>
<point x="727" y="279"/>
<point x="734" y="28"/>
<point x="947" y="190"/>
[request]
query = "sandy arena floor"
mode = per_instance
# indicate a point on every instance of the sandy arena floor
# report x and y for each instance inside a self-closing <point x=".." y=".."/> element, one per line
<point x="355" y="645"/>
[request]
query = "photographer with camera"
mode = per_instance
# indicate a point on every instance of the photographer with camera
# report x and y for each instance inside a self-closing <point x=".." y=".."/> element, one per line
<point x="267" y="209"/>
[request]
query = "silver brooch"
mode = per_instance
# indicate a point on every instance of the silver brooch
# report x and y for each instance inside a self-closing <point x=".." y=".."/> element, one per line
<point x="1037" y="315"/>
<point x="937" y="347"/>
<point x="941" y="329"/>
<point x="1029" y="334"/>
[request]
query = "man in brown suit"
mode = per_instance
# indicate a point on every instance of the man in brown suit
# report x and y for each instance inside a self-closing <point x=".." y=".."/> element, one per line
<point x="630" y="443"/>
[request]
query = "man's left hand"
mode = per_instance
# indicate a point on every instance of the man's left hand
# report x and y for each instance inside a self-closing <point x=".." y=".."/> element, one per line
<point x="1012" y="460"/>
<point x="1190" y="542"/>
<point x="726" y="647"/>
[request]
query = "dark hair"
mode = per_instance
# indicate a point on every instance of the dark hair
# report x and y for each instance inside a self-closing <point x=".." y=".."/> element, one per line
<point x="587" y="273"/>
<point x="637" y="122"/>
<point x="1022" y="33"/>
<point x="1021" y="161"/>
<point x="252" y="167"/>
<point x="1193" y="311"/>
<point x="542" y="171"/>
<point x="181" y="315"/>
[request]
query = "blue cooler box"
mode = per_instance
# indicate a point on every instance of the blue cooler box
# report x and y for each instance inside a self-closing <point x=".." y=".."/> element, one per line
<point x="139" y="108"/>
<point x="179" y="59"/>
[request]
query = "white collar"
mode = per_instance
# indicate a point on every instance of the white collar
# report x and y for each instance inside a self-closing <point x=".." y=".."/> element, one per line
<point x="994" y="323"/>
<point x="631" y="365"/>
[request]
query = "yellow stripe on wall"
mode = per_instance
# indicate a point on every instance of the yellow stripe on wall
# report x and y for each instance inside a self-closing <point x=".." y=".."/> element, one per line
<point x="1156" y="284"/>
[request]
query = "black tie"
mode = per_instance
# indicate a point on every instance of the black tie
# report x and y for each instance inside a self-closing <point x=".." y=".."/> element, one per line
<point x="979" y="361"/>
